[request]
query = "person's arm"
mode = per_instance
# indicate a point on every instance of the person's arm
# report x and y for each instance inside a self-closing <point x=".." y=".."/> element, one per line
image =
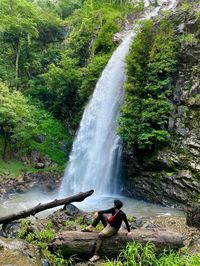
<point x="127" y="224"/>
<point x="106" y="211"/>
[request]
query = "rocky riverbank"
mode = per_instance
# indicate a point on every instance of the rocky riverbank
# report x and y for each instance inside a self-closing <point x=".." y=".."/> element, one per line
<point x="45" y="181"/>
<point x="36" y="234"/>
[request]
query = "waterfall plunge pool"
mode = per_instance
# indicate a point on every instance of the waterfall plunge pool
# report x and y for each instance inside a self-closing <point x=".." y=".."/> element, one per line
<point x="137" y="208"/>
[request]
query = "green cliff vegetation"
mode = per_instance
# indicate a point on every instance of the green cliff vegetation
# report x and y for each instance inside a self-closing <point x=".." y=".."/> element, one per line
<point x="51" y="55"/>
<point x="151" y="65"/>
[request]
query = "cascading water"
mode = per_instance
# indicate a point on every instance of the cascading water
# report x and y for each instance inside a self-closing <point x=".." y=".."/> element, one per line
<point x="95" y="159"/>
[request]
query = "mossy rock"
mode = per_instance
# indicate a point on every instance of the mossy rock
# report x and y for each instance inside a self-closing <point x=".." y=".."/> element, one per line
<point x="18" y="253"/>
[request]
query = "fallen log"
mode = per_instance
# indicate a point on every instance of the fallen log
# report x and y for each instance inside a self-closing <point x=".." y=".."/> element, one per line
<point x="82" y="244"/>
<point x="41" y="207"/>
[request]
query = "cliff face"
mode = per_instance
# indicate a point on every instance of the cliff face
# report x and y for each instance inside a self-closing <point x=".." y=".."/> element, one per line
<point x="171" y="174"/>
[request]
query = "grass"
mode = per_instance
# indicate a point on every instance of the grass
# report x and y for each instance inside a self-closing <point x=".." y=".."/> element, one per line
<point x="13" y="168"/>
<point x="137" y="255"/>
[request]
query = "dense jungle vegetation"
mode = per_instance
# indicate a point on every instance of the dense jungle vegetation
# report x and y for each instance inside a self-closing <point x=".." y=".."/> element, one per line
<point x="51" y="55"/>
<point x="151" y="64"/>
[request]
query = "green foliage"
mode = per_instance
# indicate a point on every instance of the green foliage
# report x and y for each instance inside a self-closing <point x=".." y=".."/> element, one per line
<point x="121" y="5"/>
<point x="58" y="260"/>
<point x="90" y="75"/>
<point x="16" y="116"/>
<point x="38" y="238"/>
<point x="195" y="101"/>
<point x="25" y="29"/>
<point x="41" y="239"/>
<point x="151" y="65"/>
<point x="70" y="80"/>
<point x="21" y="122"/>
<point x="54" y="137"/>
<point x="12" y="168"/>
<point x="53" y="52"/>
<point x="24" y="226"/>
<point x="188" y="39"/>
<point x="137" y="255"/>
<point x="185" y="6"/>
<point x="104" y="43"/>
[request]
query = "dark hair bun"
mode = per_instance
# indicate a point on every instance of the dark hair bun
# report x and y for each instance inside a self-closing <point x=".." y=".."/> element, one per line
<point x="118" y="204"/>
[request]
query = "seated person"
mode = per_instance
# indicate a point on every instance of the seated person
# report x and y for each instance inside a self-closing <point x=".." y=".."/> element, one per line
<point x="111" y="224"/>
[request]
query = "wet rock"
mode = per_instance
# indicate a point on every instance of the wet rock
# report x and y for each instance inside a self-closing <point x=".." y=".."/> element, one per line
<point x="59" y="218"/>
<point x="39" y="165"/>
<point x="71" y="210"/>
<point x="64" y="146"/>
<point x="118" y="37"/>
<point x="88" y="263"/>
<point x="88" y="219"/>
<point x="45" y="262"/>
<point x="181" y="28"/>
<point x="11" y="230"/>
<point x="45" y="181"/>
<point x="18" y="253"/>
<point x="40" y="138"/>
<point x="149" y="225"/>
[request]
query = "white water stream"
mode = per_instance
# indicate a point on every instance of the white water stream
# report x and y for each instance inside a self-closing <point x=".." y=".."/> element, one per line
<point x="94" y="162"/>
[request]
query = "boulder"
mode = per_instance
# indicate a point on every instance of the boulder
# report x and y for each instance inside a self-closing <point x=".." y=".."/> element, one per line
<point x="18" y="253"/>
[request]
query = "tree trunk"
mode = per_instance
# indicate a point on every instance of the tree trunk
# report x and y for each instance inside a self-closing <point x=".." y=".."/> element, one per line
<point x="18" y="50"/>
<point x="41" y="207"/>
<point x="82" y="244"/>
<point x="5" y="146"/>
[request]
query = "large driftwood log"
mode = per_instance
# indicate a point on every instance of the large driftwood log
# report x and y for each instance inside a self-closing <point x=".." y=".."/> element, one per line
<point x="41" y="207"/>
<point x="82" y="244"/>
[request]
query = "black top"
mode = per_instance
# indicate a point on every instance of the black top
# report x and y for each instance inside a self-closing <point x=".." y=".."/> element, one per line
<point x="118" y="219"/>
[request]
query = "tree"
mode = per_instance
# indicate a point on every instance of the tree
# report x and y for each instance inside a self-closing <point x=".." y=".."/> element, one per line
<point x="15" y="116"/>
<point x="22" y="23"/>
<point x="18" y="26"/>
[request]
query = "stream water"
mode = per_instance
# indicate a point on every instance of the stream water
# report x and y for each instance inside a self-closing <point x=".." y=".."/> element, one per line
<point x="18" y="202"/>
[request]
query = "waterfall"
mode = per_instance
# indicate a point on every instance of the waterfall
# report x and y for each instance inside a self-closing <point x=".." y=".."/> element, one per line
<point x="95" y="159"/>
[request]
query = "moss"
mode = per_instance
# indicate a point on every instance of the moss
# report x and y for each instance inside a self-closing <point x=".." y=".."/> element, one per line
<point x="169" y="174"/>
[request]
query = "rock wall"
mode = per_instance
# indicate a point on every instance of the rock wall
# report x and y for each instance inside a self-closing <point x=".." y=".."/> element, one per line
<point x="171" y="174"/>
<point x="44" y="181"/>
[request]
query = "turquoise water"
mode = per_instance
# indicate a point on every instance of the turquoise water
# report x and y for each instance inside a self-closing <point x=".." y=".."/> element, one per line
<point x="19" y="202"/>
